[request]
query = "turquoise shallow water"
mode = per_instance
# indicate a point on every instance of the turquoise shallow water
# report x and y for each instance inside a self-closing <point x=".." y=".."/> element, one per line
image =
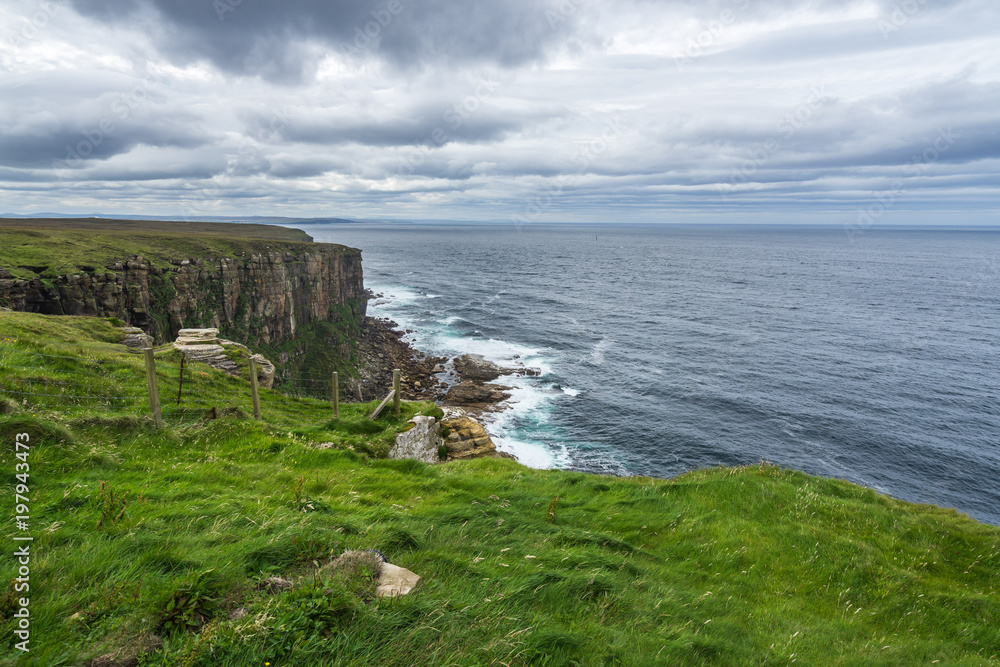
<point x="666" y="348"/>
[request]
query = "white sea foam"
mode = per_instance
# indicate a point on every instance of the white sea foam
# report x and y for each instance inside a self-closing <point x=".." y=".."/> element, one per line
<point x="570" y="391"/>
<point x="534" y="454"/>
<point x="530" y="399"/>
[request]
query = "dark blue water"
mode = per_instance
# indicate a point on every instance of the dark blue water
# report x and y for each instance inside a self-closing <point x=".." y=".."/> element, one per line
<point x="667" y="348"/>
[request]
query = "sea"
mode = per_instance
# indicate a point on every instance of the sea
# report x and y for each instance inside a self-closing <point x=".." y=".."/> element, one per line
<point x="871" y="355"/>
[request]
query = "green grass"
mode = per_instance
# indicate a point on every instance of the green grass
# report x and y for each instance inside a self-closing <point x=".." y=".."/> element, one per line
<point x="51" y="248"/>
<point x="139" y="530"/>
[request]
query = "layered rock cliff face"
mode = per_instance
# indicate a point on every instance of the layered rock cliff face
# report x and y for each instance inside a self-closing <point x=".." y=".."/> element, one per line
<point x="262" y="297"/>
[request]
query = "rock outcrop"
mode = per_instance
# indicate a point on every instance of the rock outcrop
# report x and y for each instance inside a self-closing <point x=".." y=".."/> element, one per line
<point x="264" y="296"/>
<point x="204" y="345"/>
<point x="464" y="438"/>
<point x="420" y="442"/>
<point x="136" y="338"/>
<point x="473" y="367"/>
<point x="476" y="396"/>
<point x="467" y="439"/>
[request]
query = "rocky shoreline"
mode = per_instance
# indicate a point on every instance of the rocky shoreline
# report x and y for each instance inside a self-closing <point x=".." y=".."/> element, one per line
<point x="380" y="349"/>
<point x="465" y="382"/>
<point x="464" y="386"/>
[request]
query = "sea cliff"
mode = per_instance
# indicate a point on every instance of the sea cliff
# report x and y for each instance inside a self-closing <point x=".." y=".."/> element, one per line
<point x="260" y="297"/>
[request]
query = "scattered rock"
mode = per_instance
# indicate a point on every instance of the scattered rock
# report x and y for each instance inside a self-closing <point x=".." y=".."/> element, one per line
<point x="380" y="349"/>
<point x="420" y="442"/>
<point x="274" y="585"/>
<point x="467" y="439"/>
<point x="394" y="581"/>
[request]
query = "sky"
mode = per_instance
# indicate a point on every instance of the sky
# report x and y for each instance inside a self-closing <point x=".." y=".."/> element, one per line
<point x="874" y="112"/>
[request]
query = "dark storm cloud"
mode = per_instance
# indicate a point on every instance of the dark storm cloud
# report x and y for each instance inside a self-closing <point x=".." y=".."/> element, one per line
<point x="405" y="128"/>
<point x="70" y="142"/>
<point x="271" y="39"/>
<point x="589" y="106"/>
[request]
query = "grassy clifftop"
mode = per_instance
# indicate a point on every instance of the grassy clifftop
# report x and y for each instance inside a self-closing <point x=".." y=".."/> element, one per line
<point x="139" y="531"/>
<point x="50" y="248"/>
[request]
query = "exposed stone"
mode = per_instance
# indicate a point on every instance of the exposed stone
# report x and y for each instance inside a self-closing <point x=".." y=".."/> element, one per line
<point x="452" y="412"/>
<point x="420" y="442"/>
<point x="475" y="368"/>
<point x="395" y="581"/>
<point x="204" y="345"/>
<point x="380" y="349"/>
<point x="274" y="585"/>
<point x="136" y="338"/>
<point x="476" y="396"/>
<point x="467" y="439"/>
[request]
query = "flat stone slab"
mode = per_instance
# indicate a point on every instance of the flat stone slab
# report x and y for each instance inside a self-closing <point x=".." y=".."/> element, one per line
<point x="198" y="333"/>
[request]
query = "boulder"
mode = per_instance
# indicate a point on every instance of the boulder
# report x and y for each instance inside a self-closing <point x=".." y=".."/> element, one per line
<point x="420" y="442"/>
<point x="467" y="439"/>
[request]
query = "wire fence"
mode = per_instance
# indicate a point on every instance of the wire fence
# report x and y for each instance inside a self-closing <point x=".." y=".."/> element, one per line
<point x="189" y="391"/>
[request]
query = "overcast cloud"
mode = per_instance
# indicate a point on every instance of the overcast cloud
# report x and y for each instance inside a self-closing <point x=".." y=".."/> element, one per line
<point x="525" y="110"/>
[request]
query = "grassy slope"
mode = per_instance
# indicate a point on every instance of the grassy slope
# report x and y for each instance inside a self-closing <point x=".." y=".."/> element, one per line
<point x="753" y="565"/>
<point x="61" y="247"/>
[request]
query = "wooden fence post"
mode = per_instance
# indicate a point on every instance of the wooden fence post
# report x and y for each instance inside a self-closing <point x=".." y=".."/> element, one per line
<point x="336" y="395"/>
<point x="253" y="389"/>
<point x="395" y="387"/>
<point x="152" y="387"/>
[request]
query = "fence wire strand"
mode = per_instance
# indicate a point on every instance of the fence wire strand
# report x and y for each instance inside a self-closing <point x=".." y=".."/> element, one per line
<point x="37" y="380"/>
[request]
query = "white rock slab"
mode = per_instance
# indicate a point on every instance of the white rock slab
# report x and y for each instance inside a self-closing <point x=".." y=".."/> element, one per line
<point x="420" y="442"/>
<point x="395" y="581"/>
